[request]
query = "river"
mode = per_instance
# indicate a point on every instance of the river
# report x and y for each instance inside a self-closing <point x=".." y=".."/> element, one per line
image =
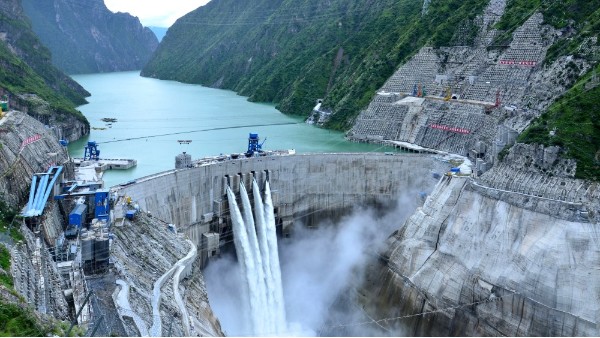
<point x="144" y="108"/>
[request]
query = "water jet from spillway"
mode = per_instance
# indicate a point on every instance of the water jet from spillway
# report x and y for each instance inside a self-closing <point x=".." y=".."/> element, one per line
<point x="256" y="248"/>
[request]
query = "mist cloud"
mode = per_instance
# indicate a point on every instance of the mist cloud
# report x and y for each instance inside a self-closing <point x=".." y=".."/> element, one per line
<point x="317" y="266"/>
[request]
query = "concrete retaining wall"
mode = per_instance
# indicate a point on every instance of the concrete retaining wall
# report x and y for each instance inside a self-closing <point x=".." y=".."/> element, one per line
<point x="484" y="267"/>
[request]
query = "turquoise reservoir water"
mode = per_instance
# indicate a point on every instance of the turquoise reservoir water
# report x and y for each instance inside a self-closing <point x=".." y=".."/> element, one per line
<point x="144" y="108"/>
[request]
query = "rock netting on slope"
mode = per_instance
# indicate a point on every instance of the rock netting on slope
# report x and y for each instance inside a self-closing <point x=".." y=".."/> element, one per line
<point x="17" y="163"/>
<point x="469" y="95"/>
<point x="36" y="278"/>
<point x="539" y="178"/>
<point x="486" y="267"/>
<point x="144" y="250"/>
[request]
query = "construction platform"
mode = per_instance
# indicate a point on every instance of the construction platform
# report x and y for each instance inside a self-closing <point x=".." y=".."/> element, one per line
<point x="109" y="163"/>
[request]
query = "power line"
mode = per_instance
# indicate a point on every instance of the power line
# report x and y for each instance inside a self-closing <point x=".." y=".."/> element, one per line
<point x="200" y="130"/>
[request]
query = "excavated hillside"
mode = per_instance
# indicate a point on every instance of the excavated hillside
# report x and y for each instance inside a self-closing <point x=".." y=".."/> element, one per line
<point x="481" y="97"/>
<point x="28" y="147"/>
<point x="509" y="250"/>
<point x="160" y="291"/>
<point x="20" y="158"/>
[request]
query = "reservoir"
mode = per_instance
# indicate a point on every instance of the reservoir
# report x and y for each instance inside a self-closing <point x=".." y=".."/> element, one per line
<point x="151" y="116"/>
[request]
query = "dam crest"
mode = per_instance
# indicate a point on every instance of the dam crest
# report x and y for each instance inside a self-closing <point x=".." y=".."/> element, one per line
<point x="305" y="188"/>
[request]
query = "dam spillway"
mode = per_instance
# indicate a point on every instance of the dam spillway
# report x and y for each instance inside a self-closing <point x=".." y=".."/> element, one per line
<point x="305" y="188"/>
<point x="256" y="247"/>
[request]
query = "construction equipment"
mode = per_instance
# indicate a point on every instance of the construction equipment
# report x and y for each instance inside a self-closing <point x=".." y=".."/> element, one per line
<point x="448" y="94"/>
<point x="91" y="152"/>
<point x="254" y="147"/>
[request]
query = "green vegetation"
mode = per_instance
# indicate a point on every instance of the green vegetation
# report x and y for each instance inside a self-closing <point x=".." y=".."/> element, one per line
<point x="19" y="322"/>
<point x="580" y="16"/>
<point x="25" y="68"/>
<point x="515" y="14"/>
<point x="7" y="214"/>
<point x="293" y="53"/>
<point x="18" y="78"/>
<point x="573" y="122"/>
<point x="74" y="40"/>
<point x="588" y="27"/>
<point x="5" y="277"/>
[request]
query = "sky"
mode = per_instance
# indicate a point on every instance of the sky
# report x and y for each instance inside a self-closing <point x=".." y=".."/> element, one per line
<point x="158" y="13"/>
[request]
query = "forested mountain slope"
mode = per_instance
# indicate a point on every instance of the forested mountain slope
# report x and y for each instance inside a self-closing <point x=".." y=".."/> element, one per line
<point x="344" y="51"/>
<point x="30" y="80"/>
<point x="295" y="53"/>
<point x="85" y="37"/>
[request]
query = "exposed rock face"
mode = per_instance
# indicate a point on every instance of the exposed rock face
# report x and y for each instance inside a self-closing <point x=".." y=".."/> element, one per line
<point x="17" y="164"/>
<point x="539" y="159"/>
<point x="85" y="37"/>
<point x="486" y="267"/>
<point x="538" y="178"/>
<point x="64" y="127"/>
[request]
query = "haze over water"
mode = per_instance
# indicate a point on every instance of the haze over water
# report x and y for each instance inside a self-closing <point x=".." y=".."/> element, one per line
<point x="146" y="107"/>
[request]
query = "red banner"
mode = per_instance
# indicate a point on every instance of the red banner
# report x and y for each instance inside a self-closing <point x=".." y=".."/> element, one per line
<point x="519" y="63"/>
<point x="448" y="128"/>
<point x="30" y="140"/>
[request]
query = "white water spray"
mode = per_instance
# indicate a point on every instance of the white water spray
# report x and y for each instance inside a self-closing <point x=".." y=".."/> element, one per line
<point x="274" y="258"/>
<point x="259" y="217"/>
<point x="245" y="258"/>
<point x="256" y="247"/>
<point x="258" y="275"/>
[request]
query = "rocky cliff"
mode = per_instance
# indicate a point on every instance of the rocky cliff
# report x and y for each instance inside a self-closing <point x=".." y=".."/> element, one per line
<point x="85" y="37"/>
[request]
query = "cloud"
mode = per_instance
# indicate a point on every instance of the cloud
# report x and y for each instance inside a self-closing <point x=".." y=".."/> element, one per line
<point x="155" y="12"/>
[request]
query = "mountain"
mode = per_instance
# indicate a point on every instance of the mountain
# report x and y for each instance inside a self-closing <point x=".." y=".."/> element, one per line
<point x="529" y="70"/>
<point x="340" y="51"/>
<point x="343" y="52"/>
<point x="160" y="32"/>
<point x="32" y="83"/>
<point x="85" y="37"/>
<point x="293" y="54"/>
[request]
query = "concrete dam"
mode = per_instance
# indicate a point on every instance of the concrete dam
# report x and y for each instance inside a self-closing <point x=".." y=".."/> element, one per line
<point x="205" y="202"/>
<point x="305" y="188"/>
<point x="415" y="282"/>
